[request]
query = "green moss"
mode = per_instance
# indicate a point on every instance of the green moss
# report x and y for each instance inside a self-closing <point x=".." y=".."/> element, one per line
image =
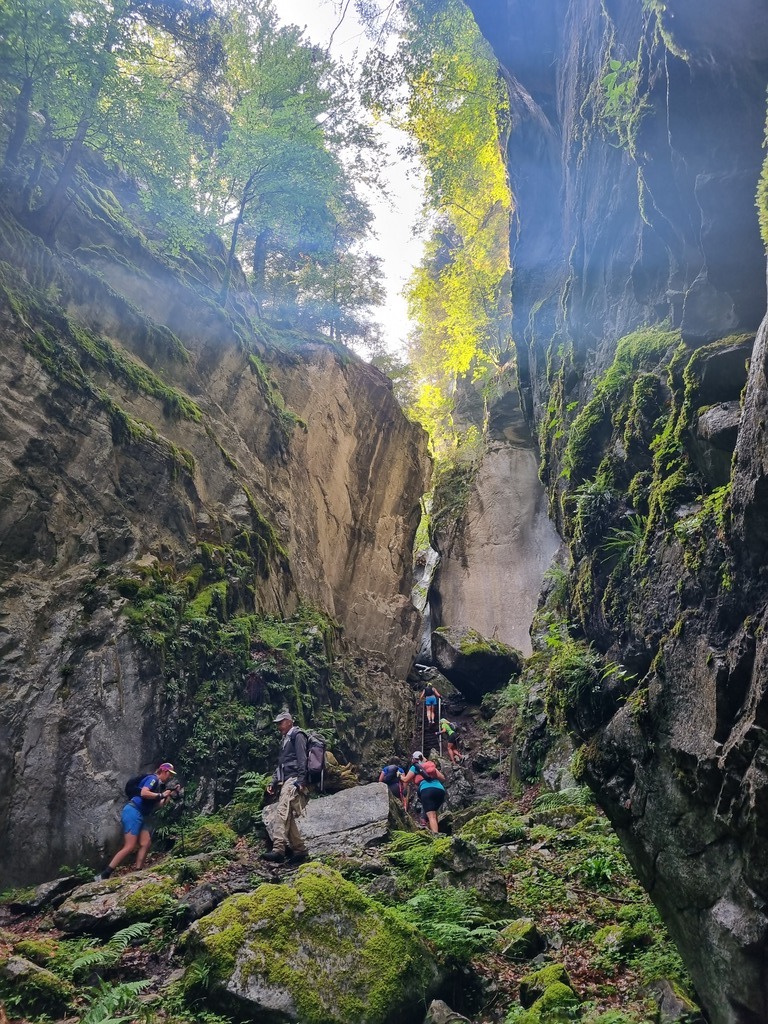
<point x="495" y="827"/>
<point x="208" y="833"/>
<point x="300" y="937"/>
<point x="150" y="900"/>
<point x="213" y="595"/>
<point x="34" y="990"/>
<point x="39" y="951"/>
<point x="762" y="196"/>
<point x="612" y="399"/>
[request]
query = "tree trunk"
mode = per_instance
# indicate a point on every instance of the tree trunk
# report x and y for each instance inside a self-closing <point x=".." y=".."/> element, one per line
<point x="20" y="127"/>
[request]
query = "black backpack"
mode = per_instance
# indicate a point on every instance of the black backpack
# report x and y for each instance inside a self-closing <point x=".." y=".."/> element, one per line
<point x="392" y="774"/>
<point x="132" y="787"/>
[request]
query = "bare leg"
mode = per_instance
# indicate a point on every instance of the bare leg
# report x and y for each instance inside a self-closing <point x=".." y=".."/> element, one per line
<point x="145" y="841"/>
<point x="432" y="820"/>
<point x="130" y="843"/>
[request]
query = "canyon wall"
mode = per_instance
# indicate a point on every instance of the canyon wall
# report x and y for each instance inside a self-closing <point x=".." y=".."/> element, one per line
<point x="167" y="464"/>
<point x="639" y="289"/>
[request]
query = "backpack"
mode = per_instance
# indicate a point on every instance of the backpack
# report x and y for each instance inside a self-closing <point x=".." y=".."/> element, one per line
<point x="392" y="774"/>
<point x="132" y="787"/>
<point x="316" y="748"/>
<point x="428" y="769"/>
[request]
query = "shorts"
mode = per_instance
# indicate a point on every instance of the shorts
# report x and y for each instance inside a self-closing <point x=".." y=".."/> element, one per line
<point x="431" y="797"/>
<point x="431" y="700"/>
<point x="133" y="820"/>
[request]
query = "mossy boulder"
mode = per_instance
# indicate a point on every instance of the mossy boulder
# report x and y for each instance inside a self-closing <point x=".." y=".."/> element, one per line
<point x="533" y="986"/>
<point x="557" y="1004"/>
<point x="104" y="906"/>
<point x="474" y="664"/>
<point x="315" y="950"/>
<point x="494" y="827"/>
<point x="35" y="989"/>
<point x="520" y="940"/>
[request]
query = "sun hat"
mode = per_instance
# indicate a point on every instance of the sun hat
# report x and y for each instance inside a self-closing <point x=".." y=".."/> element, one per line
<point x="284" y="716"/>
<point x="166" y="766"/>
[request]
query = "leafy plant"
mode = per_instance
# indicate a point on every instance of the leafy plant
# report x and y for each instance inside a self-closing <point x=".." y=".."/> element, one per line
<point x="452" y="919"/>
<point x="108" y="955"/>
<point x="113" y="1004"/>
<point x="625" y="542"/>
<point x="574" y="796"/>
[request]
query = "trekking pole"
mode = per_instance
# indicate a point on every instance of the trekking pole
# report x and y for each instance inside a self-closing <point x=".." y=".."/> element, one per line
<point x="439" y="720"/>
<point x="423" y="722"/>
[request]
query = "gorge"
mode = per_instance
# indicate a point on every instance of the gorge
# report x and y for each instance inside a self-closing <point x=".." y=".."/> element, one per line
<point x="208" y="513"/>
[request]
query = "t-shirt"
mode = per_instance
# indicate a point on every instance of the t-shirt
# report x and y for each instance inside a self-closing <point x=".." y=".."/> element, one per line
<point x="147" y="806"/>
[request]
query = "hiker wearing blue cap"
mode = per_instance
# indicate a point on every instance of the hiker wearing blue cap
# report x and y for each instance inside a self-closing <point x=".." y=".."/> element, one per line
<point x="152" y="792"/>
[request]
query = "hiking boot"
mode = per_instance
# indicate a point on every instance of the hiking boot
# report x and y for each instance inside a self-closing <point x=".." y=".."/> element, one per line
<point x="103" y="875"/>
<point x="274" y="857"/>
<point x="299" y="857"/>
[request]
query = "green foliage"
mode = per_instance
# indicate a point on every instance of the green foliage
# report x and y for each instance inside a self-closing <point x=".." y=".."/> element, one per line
<point x="762" y="195"/>
<point x="494" y="827"/>
<point x="621" y="108"/>
<point x="113" y="1004"/>
<point x="625" y="542"/>
<point x="109" y="954"/>
<point x="455" y="111"/>
<point x="579" y="796"/>
<point x="416" y="853"/>
<point x="450" y="918"/>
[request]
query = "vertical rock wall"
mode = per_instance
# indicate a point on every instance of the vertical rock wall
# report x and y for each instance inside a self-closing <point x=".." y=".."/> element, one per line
<point x="634" y="156"/>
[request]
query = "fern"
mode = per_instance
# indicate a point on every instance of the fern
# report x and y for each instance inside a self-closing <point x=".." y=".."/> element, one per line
<point x="416" y="853"/>
<point x="108" y="956"/>
<point x="452" y="919"/>
<point x="575" y="796"/>
<point x="109" y="1003"/>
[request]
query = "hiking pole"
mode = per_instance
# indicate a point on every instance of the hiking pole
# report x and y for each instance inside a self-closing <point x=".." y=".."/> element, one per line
<point x="439" y="720"/>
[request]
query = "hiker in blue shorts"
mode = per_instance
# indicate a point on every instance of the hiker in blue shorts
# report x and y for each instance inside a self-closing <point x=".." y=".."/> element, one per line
<point x="152" y="793"/>
<point x="430" y="697"/>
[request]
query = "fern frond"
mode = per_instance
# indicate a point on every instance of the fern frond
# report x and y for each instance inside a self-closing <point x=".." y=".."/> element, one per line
<point x="110" y="1000"/>
<point x="574" y="796"/>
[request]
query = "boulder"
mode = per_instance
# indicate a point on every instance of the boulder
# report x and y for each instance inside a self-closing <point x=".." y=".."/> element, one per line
<point x="672" y="1003"/>
<point x="552" y="978"/>
<point x="104" y="906"/>
<point x="35" y="988"/>
<point x="441" y="1013"/>
<point x="342" y="822"/>
<point x="520" y="940"/>
<point x="45" y="895"/>
<point x="316" y="948"/>
<point x="464" y="866"/>
<point x="474" y="664"/>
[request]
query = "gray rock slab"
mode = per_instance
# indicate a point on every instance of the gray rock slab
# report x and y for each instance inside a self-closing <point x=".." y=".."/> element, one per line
<point x="341" y="822"/>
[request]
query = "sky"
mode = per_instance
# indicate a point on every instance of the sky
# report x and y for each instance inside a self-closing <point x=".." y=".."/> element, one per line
<point x="394" y="242"/>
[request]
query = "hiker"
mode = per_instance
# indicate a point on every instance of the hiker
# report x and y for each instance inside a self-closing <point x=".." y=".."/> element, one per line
<point x="153" y="792"/>
<point x="392" y="775"/>
<point x="449" y="730"/>
<point x="290" y="781"/>
<point x="428" y="780"/>
<point x="430" y="695"/>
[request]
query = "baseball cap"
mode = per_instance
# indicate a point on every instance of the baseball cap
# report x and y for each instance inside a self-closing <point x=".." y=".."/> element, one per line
<point x="284" y="716"/>
<point x="166" y="766"/>
<point x="418" y="755"/>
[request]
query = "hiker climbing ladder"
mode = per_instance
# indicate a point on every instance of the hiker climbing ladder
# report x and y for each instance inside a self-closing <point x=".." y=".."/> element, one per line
<point x="430" y="733"/>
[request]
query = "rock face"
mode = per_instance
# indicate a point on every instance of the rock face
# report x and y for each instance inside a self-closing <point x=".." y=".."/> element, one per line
<point x="144" y="429"/>
<point x="634" y="156"/>
<point x="492" y="565"/>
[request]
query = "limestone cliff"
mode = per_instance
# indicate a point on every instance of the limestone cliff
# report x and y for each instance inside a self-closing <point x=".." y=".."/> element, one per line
<point x="172" y="475"/>
<point x="639" y="286"/>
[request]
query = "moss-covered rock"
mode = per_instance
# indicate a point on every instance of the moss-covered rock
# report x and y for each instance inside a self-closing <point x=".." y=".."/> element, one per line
<point x="533" y="986"/>
<point x="317" y="950"/>
<point x="494" y="827"/>
<point x="101" y="907"/>
<point x="520" y="940"/>
<point x="35" y="989"/>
